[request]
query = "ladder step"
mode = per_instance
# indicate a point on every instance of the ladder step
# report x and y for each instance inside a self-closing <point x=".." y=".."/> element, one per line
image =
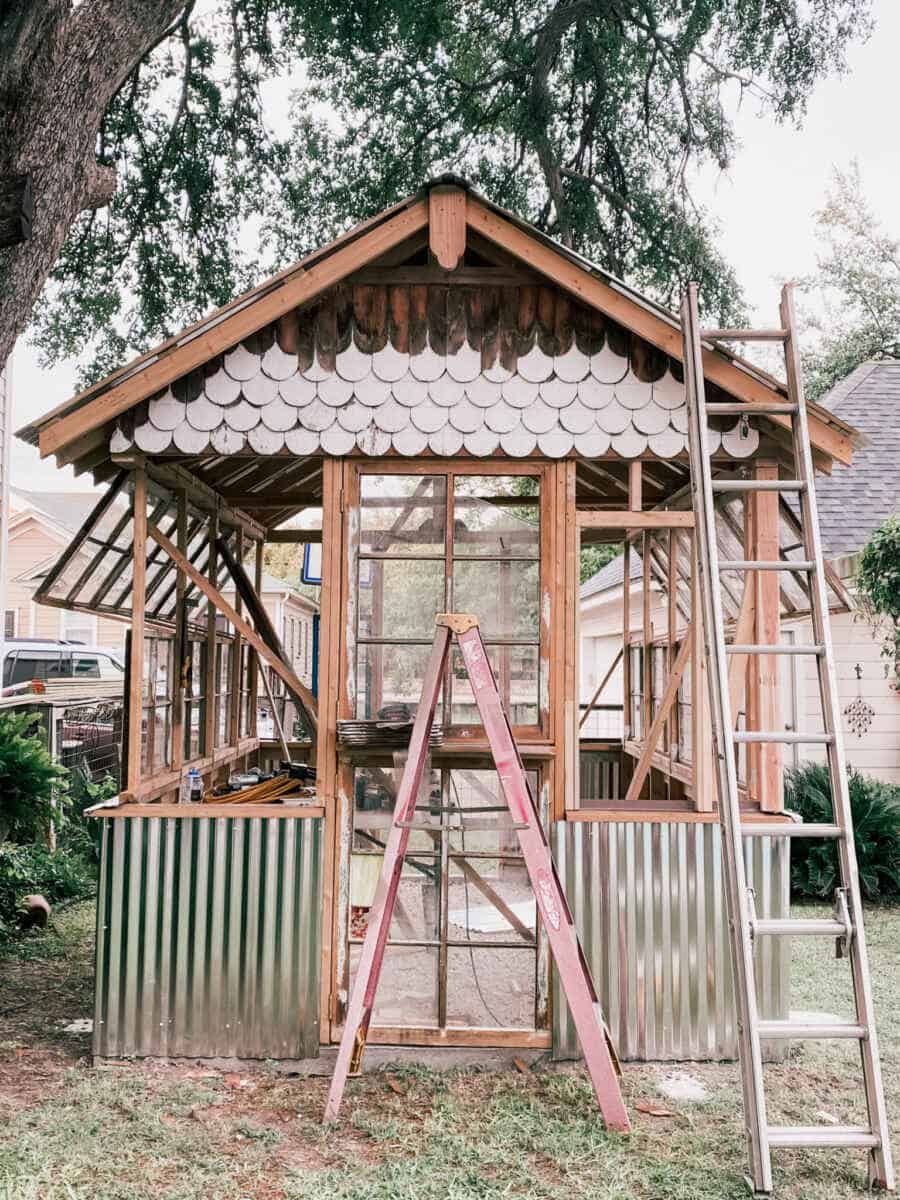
<point x="774" y="648"/>
<point x="799" y="927"/>
<point x="794" y="829"/>
<point x="841" y="1136"/>
<point x="758" y="564"/>
<point x="789" y="1030"/>
<point x="758" y="485"/>
<point x="777" y="408"/>
<point x="783" y="735"/>
<point x="744" y="335"/>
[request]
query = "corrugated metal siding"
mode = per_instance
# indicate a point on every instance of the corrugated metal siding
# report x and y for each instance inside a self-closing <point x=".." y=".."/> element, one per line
<point x="208" y="935"/>
<point x="648" y="902"/>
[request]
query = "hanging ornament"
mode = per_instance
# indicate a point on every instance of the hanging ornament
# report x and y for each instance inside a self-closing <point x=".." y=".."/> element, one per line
<point x="858" y="714"/>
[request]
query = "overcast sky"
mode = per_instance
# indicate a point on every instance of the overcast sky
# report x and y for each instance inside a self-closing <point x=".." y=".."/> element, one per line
<point x="764" y="204"/>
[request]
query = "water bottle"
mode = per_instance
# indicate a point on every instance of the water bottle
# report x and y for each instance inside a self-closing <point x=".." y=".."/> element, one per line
<point x="195" y="786"/>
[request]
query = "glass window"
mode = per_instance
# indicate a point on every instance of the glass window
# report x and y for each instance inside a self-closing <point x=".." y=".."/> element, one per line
<point x="416" y="561"/>
<point x="195" y="701"/>
<point x="156" y="734"/>
<point x="85" y="666"/>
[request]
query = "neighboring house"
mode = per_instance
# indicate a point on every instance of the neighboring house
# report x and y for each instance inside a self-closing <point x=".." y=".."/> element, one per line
<point x="293" y="616"/>
<point x="41" y="525"/>
<point x="853" y="502"/>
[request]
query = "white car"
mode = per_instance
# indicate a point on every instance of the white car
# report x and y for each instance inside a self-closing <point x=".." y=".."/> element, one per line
<point x="33" y="658"/>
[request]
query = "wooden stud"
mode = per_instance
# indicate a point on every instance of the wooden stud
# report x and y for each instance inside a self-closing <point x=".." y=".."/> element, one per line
<point x="136" y="648"/>
<point x="635" y="485"/>
<point x="627" y="728"/>
<point x="671" y="733"/>
<point x="210" y="674"/>
<point x="701" y="726"/>
<point x="447" y="225"/>
<point x="646" y="636"/>
<point x="237" y="650"/>
<point x="570" y="682"/>
<point x="255" y="667"/>
<point x="180" y="648"/>
<point x="768" y="633"/>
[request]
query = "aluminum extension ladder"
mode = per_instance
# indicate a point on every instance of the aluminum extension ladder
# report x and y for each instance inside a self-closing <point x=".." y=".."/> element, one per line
<point x="847" y="925"/>
<point x="570" y="962"/>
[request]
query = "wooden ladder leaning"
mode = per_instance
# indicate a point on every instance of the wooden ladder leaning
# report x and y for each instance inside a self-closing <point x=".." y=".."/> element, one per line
<point x="745" y="926"/>
<point x="551" y="901"/>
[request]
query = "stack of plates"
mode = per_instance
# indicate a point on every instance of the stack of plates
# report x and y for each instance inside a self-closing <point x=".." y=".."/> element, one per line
<point x="382" y="735"/>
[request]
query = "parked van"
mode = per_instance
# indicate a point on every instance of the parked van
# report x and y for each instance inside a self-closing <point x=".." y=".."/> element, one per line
<point x="33" y="658"/>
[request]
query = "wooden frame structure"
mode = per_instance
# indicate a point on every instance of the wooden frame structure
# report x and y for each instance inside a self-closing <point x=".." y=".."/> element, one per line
<point x="224" y="437"/>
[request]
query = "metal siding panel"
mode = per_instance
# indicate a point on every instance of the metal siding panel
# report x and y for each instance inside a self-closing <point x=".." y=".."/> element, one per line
<point x="208" y="937"/>
<point x="648" y="901"/>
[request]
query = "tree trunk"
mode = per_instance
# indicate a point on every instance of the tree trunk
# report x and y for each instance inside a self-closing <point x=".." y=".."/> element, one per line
<point x="60" y="66"/>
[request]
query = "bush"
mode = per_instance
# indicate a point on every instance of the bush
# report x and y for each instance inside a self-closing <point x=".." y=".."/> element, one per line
<point x="56" y="875"/>
<point x="876" y="823"/>
<point x="30" y="781"/>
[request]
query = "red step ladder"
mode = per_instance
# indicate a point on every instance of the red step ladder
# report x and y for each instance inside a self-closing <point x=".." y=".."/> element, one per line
<point x="598" y="1052"/>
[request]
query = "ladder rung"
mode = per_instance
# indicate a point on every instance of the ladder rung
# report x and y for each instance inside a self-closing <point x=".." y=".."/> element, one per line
<point x="776" y="408"/>
<point x="774" y="648"/>
<point x="799" y="927"/>
<point x="744" y="335"/>
<point x="759" y="564"/>
<point x="758" y="485"/>
<point x="794" y="829"/>
<point x="788" y="1030"/>
<point x="784" y="735"/>
<point x="842" y="1136"/>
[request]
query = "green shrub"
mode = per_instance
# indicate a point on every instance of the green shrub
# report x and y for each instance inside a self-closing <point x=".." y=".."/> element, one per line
<point x="876" y="823"/>
<point x="56" y="875"/>
<point x="30" y="781"/>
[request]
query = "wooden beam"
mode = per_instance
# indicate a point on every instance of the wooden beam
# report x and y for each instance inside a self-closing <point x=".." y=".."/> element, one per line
<point x="649" y="519"/>
<point x="768" y="633"/>
<point x="275" y="499"/>
<point x="602" y="684"/>
<point x="291" y="537"/>
<point x="635" y="485"/>
<point x="447" y="225"/>
<point x="701" y="726"/>
<point x="136" y="646"/>
<point x="297" y="288"/>
<point x="651" y="739"/>
<point x="626" y="641"/>
<point x="180" y="648"/>
<point x="215" y="597"/>
<point x="210" y="675"/>
<point x="659" y="330"/>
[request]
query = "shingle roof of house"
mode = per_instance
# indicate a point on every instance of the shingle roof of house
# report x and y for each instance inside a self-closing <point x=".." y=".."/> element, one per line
<point x="612" y="575"/>
<point x="69" y="510"/>
<point x="855" y="500"/>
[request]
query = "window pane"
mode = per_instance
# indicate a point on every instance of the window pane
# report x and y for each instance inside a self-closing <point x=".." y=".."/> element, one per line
<point x="85" y="666"/>
<point x="504" y="595"/>
<point x="402" y="514"/>
<point x="390" y="675"/>
<point x="516" y="671"/>
<point x="399" y="599"/>
<point x="485" y="528"/>
<point x="490" y="988"/>
<point x="408" y="987"/>
<point x="374" y="796"/>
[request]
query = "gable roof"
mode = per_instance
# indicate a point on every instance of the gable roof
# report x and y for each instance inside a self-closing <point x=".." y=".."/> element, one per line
<point x="612" y="575"/>
<point x="79" y="430"/>
<point x="67" y="510"/>
<point x="854" y="501"/>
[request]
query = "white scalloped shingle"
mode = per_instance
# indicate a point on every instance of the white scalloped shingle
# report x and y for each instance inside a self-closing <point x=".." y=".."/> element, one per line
<point x="502" y="418"/>
<point x="629" y="444"/>
<point x="260" y="390"/>
<point x="354" y="416"/>
<point x="741" y="441"/>
<point x="557" y="393"/>
<point x="226" y="441"/>
<point x="572" y="366"/>
<point x="650" y="419"/>
<point x="427" y="365"/>
<point x="317" y="416"/>
<point x="410" y="441"/>
<point x="666" y="444"/>
<point x="497" y="373"/>
<point x="593" y="443"/>
<point x="147" y="437"/>
<point x="576" y="418"/>
<point x="297" y="391"/>
<point x="390" y="364"/>
<point x="678" y="418"/>
<point x="278" y="364"/>
<point x="391" y="416"/>
<point x="481" y="442"/>
<point x="518" y="443"/>
<point x="632" y="393"/>
<point x="429" y="417"/>
<point x="337" y="441"/>
<point x="166" y="411"/>
<point x="241" y="364"/>
<point x="335" y="391"/>
<point x="315" y="371"/>
<point x="466" y="417"/>
<point x="446" y="442"/>
<point x="713" y="440"/>
<point x="242" y="417"/>
<point x="203" y="415"/>
<point x="410" y="391"/>
<point x="555" y="444"/>
<point x="614" y="418"/>
<point x="465" y="364"/>
<point x="374" y="442"/>
<point x="353" y="364"/>
<point x="301" y="442"/>
<point x="446" y="391"/>
<point x="265" y="441"/>
<point x="595" y="395"/>
<point x="607" y="367"/>
<point x="539" y="417"/>
<point x="189" y="440"/>
<point x="119" y="442"/>
<point x="221" y="388"/>
<point x="372" y="392"/>
<point x="519" y="392"/>
<point x="535" y="366"/>
<point x="277" y="416"/>
<point x="668" y="392"/>
<point x="484" y="392"/>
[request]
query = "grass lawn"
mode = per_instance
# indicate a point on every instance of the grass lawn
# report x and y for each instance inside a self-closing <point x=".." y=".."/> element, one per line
<point x="68" y="1131"/>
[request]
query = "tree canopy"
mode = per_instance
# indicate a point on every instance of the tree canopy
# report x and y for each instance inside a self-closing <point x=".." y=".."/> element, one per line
<point x="244" y="132"/>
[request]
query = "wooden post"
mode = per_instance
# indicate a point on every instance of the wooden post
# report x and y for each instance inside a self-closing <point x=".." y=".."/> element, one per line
<point x="210" y="680"/>
<point x="671" y="732"/>
<point x="751" y="666"/>
<point x="627" y="728"/>
<point x="768" y="626"/>
<point x="136" y="649"/>
<point x="237" y="650"/>
<point x="571" y="693"/>
<point x="255" y="666"/>
<point x="701" y="728"/>
<point x="181" y="638"/>
<point x="635" y="485"/>
<point x="647" y="637"/>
